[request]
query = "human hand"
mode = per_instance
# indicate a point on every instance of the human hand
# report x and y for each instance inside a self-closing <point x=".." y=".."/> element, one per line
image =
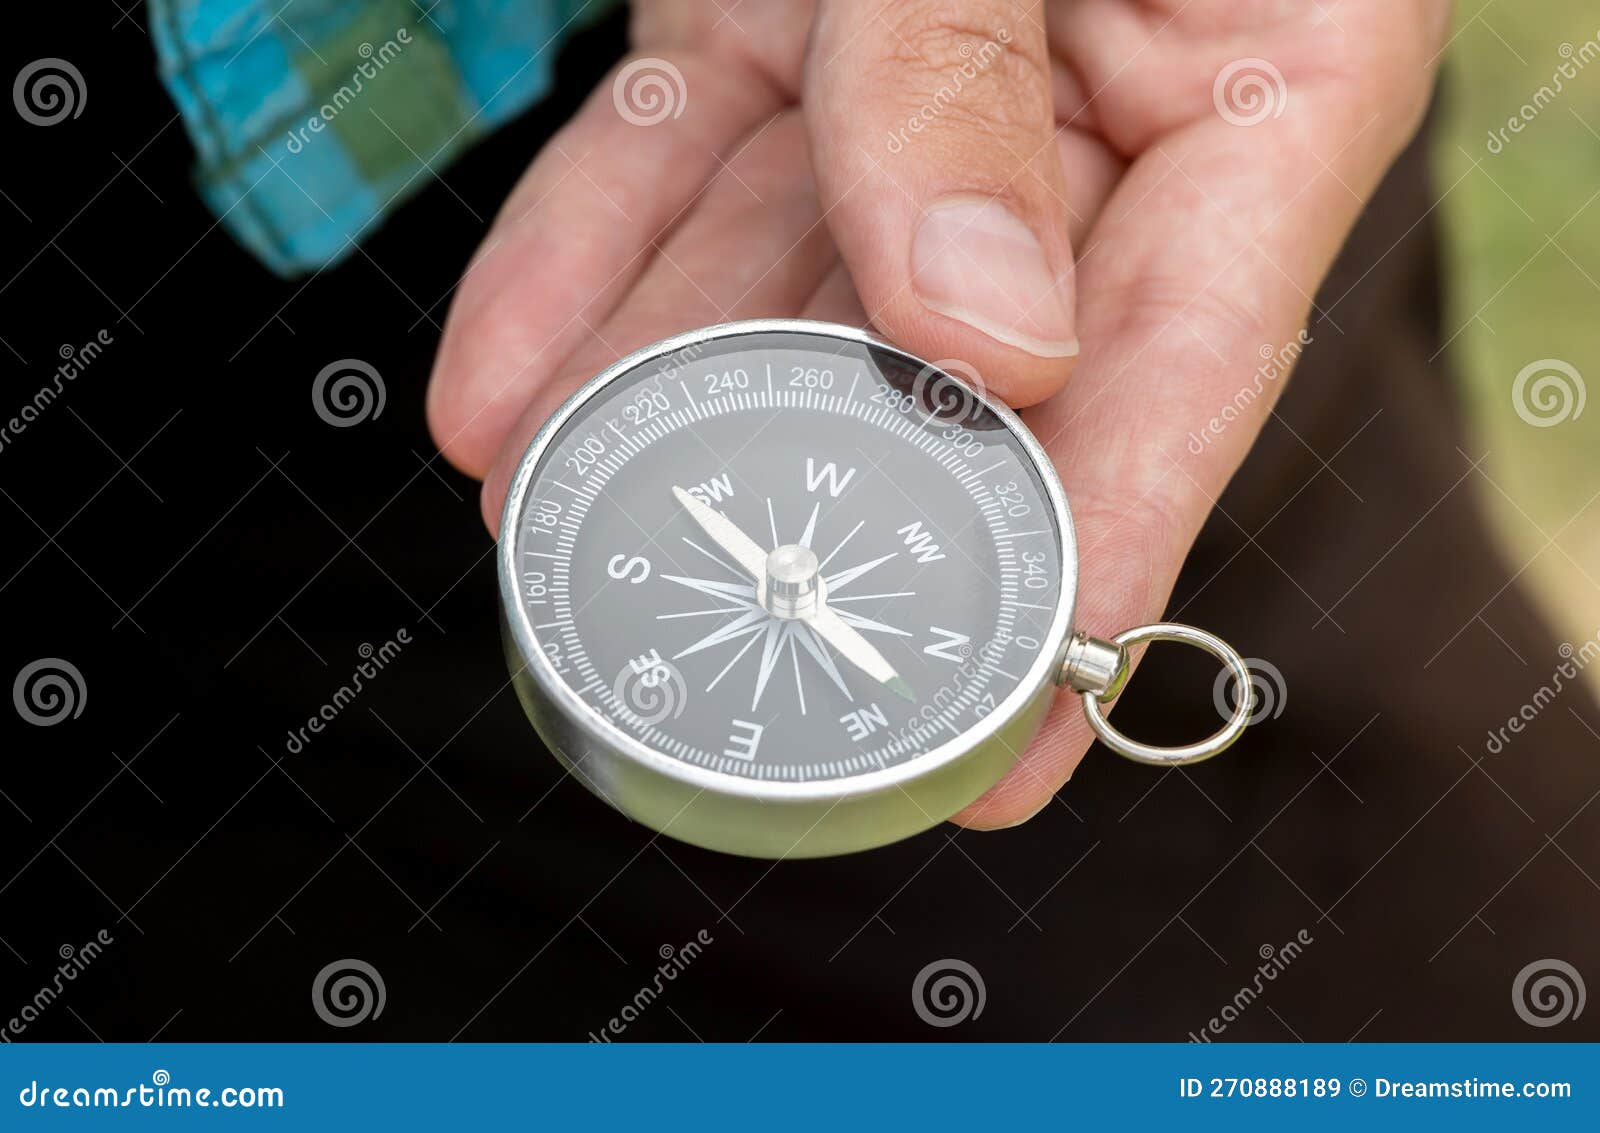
<point x="934" y="168"/>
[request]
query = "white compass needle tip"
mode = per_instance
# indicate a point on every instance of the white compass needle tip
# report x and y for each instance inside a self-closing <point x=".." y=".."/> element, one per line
<point x="856" y="649"/>
<point x="724" y="533"/>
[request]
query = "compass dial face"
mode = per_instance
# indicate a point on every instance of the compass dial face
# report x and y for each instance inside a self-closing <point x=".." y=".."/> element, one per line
<point x="789" y="556"/>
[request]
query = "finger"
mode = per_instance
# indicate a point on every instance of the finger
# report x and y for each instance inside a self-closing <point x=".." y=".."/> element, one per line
<point x="1198" y="273"/>
<point x="753" y="246"/>
<point x="933" y="138"/>
<point x="1092" y="171"/>
<point x="835" y="300"/>
<point x="575" y="235"/>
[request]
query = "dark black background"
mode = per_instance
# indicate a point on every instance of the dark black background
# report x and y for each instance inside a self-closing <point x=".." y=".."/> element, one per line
<point x="210" y="554"/>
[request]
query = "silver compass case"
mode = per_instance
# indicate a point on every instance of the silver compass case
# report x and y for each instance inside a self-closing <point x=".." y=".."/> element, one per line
<point x="847" y="438"/>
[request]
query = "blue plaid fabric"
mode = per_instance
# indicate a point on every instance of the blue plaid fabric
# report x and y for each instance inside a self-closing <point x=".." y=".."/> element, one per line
<point x="313" y="119"/>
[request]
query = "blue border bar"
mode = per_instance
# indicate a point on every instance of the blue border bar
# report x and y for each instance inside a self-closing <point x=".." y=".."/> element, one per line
<point x="768" y="1089"/>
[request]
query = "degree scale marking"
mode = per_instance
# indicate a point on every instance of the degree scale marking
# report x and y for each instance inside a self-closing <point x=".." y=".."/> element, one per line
<point x="903" y="427"/>
<point x="915" y="432"/>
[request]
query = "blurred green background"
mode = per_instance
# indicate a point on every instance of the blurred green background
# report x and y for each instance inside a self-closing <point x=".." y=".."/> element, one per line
<point x="1523" y="242"/>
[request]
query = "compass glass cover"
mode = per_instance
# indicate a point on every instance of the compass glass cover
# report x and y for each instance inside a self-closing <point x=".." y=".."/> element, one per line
<point x="893" y="498"/>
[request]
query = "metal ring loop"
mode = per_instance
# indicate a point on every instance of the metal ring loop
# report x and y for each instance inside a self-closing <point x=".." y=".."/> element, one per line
<point x="1217" y="742"/>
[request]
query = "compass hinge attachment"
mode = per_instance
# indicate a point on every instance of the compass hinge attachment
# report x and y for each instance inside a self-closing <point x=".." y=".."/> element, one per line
<point x="1098" y="669"/>
<point x="1095" y="666"/>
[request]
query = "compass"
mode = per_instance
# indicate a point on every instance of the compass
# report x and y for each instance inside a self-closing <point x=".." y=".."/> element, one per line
<point x="781" y="589"/>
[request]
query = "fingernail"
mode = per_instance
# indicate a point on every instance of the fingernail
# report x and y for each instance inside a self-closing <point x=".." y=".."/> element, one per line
<point x="973" y="260"/>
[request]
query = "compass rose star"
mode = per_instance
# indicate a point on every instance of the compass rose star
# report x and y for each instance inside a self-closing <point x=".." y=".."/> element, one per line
<point x="739" y="606"/>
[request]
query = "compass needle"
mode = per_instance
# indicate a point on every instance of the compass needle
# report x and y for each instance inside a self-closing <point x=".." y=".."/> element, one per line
<point x="808" y="642"/>
<point x="852" y="646"/>
<point x="724" y="533"/>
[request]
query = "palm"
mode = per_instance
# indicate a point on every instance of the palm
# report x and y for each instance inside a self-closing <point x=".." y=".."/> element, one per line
<point x="1201" y="226"/>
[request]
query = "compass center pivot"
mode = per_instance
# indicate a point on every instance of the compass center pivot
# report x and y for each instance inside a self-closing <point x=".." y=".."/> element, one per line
<point x="793" y="581"/>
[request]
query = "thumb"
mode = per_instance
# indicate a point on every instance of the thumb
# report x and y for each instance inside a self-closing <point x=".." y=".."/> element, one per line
<point x="933" y="137"/>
